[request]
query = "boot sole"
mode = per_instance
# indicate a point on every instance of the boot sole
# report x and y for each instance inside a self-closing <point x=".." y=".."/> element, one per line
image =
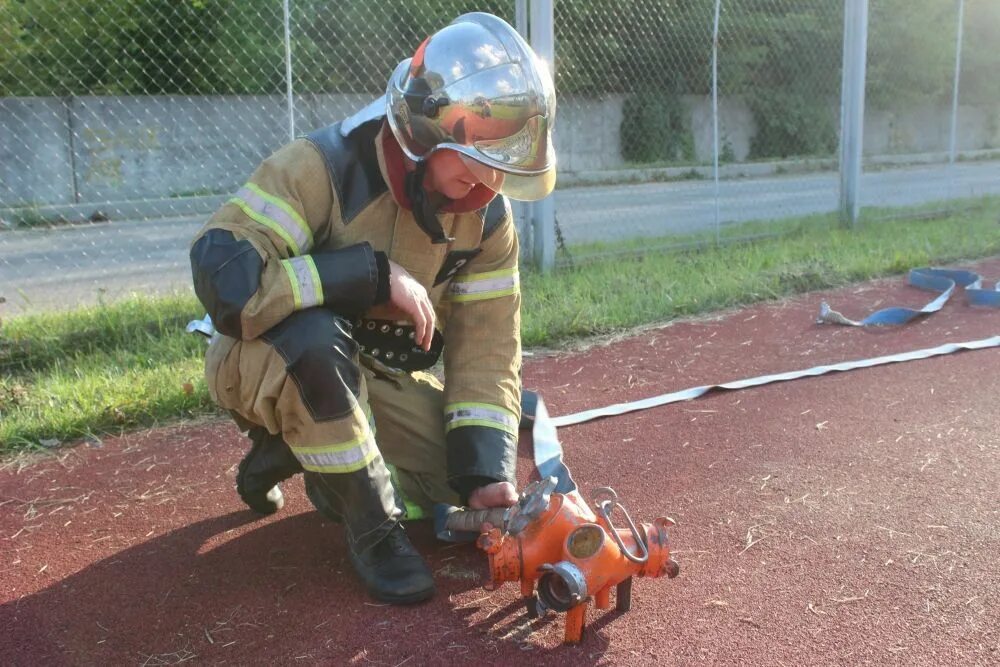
<point x="413" y="598"/>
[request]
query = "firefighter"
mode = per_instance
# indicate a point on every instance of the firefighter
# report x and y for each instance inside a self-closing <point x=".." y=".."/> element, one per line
<point x="354" y="258"/>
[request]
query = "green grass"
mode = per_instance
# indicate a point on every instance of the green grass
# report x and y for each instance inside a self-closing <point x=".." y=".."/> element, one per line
<point x="99" y="370"/>
<point x="130" y="364"/>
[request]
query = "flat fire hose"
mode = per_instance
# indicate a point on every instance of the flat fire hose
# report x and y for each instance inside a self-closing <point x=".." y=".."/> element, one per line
<point x="545" y="441"/>
<point x="940" y="280"/>
<point x="944" y="280"/>
<point x="695" y="392"/>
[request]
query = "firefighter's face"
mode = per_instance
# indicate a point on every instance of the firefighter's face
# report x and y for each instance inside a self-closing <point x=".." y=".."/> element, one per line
<point x="449" y="173"/>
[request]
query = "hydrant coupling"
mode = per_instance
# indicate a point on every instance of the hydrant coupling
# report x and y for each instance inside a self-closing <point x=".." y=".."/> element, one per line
<point x="574" y="554"/>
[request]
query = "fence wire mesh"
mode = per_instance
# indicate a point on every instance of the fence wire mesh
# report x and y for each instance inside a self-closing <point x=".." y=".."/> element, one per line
<point x="140" y="117"/>
<point x="124" y="124"/>
<point x="918" y="152"/>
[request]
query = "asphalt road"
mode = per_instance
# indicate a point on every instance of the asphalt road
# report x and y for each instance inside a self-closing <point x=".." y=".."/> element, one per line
<point x="63" y="267"/>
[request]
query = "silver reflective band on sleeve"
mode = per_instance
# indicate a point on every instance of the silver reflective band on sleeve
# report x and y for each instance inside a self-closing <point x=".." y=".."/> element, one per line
<point x="307" y="290"/>
<point x="479" y="414"/>
<point x="347" y="461"/>
<point x="277" y="215"/>
<point x="479" y="286"/>
<point x="340" y="458"/>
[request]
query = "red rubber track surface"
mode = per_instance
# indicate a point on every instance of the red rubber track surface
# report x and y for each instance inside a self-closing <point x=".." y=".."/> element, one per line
<point x="846" y="519"/>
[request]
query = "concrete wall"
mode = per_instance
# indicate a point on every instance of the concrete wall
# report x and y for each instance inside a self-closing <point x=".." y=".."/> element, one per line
<point x="112" y="149"/>
<point x="736" y="127"/>
<point x="588" y="136"/>
<point x="136" y="148"/>
<point x="928" y="129"/>
<point x="95" y="149"/>
<point x="587" y="133"/>
<point x="36" y="158"/>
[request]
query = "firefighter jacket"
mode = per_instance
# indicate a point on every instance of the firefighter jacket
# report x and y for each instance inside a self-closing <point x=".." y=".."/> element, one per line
<point x="315" y="226"/>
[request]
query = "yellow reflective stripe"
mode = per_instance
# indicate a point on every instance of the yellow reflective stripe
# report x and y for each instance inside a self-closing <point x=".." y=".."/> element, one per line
<point x="317" y="283"/>
<point x="277" y="215"/>
<point x="294" y="280"/>
<point x="341" y="457"/>
<point x="293" y="247"/>
<point x="482" y="296"/>
<point x="306" y="287"/>
<point x="328" y="463"/>
<point x="473" y="277"/>
<point x="479" y="414"/>
<point x="287" y="208"/>
<point x="488" y="285"/>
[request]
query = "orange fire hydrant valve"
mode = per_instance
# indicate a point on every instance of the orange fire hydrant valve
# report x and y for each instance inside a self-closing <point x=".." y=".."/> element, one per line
<point x="574" y="554"/>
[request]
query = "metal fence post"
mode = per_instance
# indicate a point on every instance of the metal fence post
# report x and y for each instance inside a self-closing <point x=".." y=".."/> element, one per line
<point x="715" y="112"/>
<point x="544" y="212"/>
<point x="953" y="141"/>
<point x="852" y="106"/>
<point x="288" y="70"/>
<point x="522" y="210"/>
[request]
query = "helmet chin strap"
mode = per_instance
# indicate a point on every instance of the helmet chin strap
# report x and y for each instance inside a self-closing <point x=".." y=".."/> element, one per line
<point x="424" y="210"/>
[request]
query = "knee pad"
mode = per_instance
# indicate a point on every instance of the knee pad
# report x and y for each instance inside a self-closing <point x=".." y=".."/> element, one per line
<point x="321" y="358"/>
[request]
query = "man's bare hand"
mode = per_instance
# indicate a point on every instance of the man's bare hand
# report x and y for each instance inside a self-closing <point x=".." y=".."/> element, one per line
<point x="498" y="494"/>
<point x="410" y="298"/>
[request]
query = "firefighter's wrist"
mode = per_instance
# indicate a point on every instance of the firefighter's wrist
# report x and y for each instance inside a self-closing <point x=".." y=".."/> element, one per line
<point x="466" y="486"/>
<point x="497" y="494"/>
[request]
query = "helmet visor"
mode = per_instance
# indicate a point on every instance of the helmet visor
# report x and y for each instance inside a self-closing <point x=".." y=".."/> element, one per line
<point x="516" y="186"/>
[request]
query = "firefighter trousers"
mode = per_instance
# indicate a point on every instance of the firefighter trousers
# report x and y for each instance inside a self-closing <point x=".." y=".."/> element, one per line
<point x="305" y="380"/>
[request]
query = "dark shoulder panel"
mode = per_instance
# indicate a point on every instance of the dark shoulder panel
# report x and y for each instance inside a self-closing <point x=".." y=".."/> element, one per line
<point x="353" y="165"/>
<point x="494" y="215"/>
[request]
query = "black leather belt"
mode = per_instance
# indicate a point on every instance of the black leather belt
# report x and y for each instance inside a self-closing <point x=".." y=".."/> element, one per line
<point x="393" y="344"/>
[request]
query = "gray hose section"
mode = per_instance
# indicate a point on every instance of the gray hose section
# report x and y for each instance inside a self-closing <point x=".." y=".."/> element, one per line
<point x="695" y="392"/>
<point x="471" y="520"/>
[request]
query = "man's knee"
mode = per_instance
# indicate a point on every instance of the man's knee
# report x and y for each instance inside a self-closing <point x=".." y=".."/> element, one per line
<point x="321" y="358"/>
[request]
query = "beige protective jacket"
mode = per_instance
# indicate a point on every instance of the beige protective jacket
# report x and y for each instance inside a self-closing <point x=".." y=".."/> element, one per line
<point x="314" y="227"/>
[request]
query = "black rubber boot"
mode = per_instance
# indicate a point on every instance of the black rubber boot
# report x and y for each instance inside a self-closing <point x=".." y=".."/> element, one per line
<point x="268" y="462"/>
<point x="393" y="570"/>
<point x="365" y="502"/>
<point x="324" y="503"/>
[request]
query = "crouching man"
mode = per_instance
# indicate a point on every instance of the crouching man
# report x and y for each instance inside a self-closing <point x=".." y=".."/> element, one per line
<point x="349" y="262"/>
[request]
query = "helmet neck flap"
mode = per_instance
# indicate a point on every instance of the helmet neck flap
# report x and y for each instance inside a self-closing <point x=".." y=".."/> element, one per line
<point x="424" y="209"/>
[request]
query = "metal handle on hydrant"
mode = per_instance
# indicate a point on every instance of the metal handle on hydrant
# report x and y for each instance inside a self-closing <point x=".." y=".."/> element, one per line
<point x="605" y="508"/>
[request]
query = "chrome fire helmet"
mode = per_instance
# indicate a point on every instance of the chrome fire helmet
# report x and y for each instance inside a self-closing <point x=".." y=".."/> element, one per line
<point x="477" y="88"/>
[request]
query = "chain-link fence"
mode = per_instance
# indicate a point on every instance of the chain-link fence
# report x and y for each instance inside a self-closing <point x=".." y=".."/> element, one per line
<point x="933" y="111"/>
<point x="124" y="124"/>
<point x="774" y="130"/>
<point x="778" y="82"/>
